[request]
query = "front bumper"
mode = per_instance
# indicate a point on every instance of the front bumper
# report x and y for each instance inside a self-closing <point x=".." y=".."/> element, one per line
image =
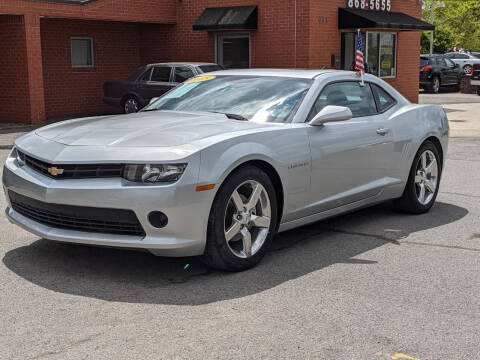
<point x="187" y="210"/>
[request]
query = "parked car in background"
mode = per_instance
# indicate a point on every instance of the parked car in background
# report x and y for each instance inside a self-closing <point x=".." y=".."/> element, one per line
<point x="151" y="81"/>
<point x="464" y="60"/>
<point x="476" y="77"/>
<point x="437" y="71"/>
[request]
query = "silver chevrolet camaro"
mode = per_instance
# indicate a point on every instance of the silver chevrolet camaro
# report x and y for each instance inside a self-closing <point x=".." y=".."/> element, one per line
<point x="217" y="166"/>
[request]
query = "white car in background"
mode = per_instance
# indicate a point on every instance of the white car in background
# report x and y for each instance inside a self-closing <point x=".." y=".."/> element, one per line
<point x="464" y="60"/>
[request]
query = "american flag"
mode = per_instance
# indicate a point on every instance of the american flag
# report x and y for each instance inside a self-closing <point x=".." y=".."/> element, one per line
<point x="359" y="57"/>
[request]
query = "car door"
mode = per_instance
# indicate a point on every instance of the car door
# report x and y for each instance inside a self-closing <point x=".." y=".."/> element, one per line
<point x="452" y="74"/>
<point x="181" y="74"/>
<point x="462" y="60"/>
<point x="141" y="86"/>
<point x="160" y="81"/>
<point x="443" y="70"/>
<point x="455" y="58"/>
<point x="351" y="160"/>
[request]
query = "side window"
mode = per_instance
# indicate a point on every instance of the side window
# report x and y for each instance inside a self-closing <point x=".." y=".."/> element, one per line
<point x="384" y="100"/>
<point x="146" y="75"/>
<point x="440" y="62"/>
<point x="350" y="94"/>
<point x="183" y="73"/>
<point x="161" y="73"/>
<point x="450" y="63"/>
<point x="462" y="56"/>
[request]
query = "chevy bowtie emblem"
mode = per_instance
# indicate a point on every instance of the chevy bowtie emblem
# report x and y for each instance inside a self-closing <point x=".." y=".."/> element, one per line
<point x="54" y="171"/>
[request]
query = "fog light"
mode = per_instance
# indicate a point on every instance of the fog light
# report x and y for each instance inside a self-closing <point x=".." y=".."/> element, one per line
<point x="158" y="219"/>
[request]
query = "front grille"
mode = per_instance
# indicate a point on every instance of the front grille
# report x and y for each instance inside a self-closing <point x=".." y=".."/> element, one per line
<point x="81" y="218"/>
<point x="73" y="171"/>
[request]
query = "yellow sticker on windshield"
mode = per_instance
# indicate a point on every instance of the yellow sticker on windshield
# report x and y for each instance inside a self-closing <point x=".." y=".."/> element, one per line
<point x="200" y="79"/>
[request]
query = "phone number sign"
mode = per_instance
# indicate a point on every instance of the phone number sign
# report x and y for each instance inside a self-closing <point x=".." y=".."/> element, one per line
<point x="381" y="5"/>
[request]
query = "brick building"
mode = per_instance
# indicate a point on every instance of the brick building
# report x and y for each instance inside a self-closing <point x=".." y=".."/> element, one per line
<point x="56" y="54"/>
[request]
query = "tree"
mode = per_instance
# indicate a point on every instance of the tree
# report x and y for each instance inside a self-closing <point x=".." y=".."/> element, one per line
<point x="457" y="24"/>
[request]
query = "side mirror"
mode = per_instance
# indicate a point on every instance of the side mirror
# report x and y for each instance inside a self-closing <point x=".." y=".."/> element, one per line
<point x="152" y="100"/>
<point x="331" y="113"/>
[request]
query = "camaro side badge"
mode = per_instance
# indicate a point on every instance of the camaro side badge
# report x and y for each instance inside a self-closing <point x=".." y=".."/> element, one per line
<point x="54" y="171"/>
<point x="300" y="164"/>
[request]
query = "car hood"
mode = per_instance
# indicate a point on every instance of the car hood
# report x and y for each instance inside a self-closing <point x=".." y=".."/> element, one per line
<point x="146" y="129"/>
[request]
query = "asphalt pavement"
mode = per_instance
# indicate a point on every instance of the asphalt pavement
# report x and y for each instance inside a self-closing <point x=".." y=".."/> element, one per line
<point x="373" y="284"/>
<point x="447" y="96"/>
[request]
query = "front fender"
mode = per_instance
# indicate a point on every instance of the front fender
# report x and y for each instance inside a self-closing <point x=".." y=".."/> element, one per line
<point x="287" y="152"/>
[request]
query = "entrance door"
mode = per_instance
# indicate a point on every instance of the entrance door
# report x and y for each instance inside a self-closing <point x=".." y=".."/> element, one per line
<point x="349" y="49"/>
<point x="233" y="51"/>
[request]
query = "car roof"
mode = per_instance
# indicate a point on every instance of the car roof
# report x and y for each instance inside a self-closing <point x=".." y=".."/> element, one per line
<point x="295" y="73"/>
<point x="182" y="64"/>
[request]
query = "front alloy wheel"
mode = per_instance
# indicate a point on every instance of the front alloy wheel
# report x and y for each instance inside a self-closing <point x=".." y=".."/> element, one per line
<point x="467" y="69"/>
<point x="247" y="219"/>
<point x="242" y="222"/>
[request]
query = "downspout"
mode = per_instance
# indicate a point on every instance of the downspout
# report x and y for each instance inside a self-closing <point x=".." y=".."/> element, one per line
<point x="295" y="39"/>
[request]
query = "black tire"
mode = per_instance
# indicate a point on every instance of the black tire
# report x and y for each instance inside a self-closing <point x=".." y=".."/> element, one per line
<point x="131" y="105"/>
<point x="217" y="253"/>
<point x="478" y="90"/>
<point x="409" y="202"/>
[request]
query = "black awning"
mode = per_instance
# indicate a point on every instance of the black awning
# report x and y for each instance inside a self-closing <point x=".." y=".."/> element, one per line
<point x="368" y="19"/>
<point x="228" y="18"/>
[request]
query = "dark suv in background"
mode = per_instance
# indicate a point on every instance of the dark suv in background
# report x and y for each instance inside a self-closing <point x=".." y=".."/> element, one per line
<point x="437" y="71"/>
<point x="151" y="81"/>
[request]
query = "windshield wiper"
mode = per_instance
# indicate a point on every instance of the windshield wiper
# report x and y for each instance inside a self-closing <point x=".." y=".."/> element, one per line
<point x="232" y="116"/>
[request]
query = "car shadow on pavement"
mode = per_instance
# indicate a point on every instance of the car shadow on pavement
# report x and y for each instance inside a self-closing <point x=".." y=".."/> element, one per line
<point x="139" y="277"/>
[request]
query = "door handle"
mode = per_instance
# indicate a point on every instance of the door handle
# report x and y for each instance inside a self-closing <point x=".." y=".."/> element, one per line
<point x="383" y="131"/>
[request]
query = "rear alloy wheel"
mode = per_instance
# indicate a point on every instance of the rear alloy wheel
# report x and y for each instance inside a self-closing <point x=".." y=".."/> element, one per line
<point x="131" y="105"/>
<point x="423" y="181"/>
<point x="467" y="69"/>
<point x="242" y="222"/>
<point x="435" y="84"/>
<point x="426" y="179"/>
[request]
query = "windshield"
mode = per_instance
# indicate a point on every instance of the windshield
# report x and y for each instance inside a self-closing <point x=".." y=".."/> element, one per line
<point x="259" y="99"/>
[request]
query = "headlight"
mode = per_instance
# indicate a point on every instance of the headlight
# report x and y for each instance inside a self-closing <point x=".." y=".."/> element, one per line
<point x="154" y="173"/>
<point x="19" y="156"/>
